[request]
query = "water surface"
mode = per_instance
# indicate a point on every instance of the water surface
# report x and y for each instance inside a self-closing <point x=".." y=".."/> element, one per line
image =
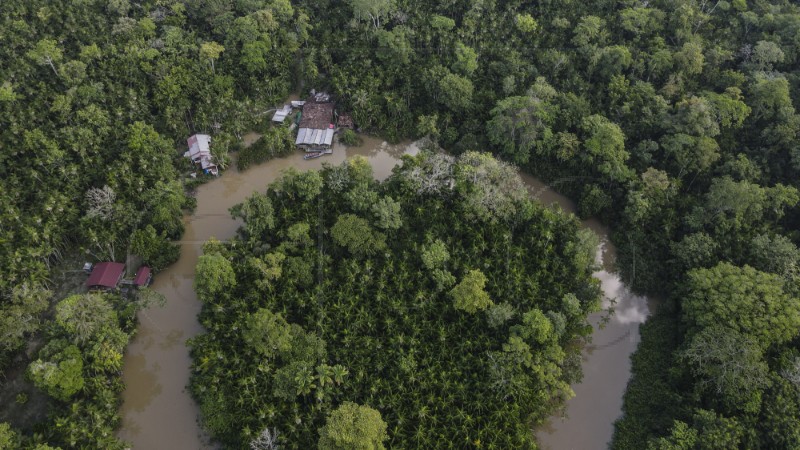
<point x="159" y="413"/>
<point x="157" y="410"/>
<point x="587" y="421"/>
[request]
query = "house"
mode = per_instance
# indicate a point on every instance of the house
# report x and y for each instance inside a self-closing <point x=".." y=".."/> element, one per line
<point x="281" y="114"/>
<point x="316" y="124"/>
<point x="200" y="153"/>
<point x="143" y="277"/>
<point x="105" y="275"/>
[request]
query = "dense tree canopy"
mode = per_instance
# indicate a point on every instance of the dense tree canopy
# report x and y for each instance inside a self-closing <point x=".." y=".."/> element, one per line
<point x="353" y="426"/>
<point x="743" y="299"/>
<point x="674" y="121"/>
<point x="342" y="339"/>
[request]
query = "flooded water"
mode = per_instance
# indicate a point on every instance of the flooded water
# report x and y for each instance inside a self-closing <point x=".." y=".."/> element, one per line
<point x="158" y="411"/>
<point x="587" y="421"/>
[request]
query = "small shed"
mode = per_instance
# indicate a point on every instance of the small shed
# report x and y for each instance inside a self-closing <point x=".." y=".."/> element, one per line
<point x="281" y="114"/>
<point x="105" y="275"/>
<point x="200" y="153"/>
<point x="143" y="277"/>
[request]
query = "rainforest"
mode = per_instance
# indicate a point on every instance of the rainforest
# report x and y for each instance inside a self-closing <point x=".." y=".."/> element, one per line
<point x="443" y="298"/>
<point x="439" y="307"/>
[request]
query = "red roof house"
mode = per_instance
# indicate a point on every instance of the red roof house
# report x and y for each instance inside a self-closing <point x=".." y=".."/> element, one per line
<point x="143" y="277"/>
<point x="105" y="275"/>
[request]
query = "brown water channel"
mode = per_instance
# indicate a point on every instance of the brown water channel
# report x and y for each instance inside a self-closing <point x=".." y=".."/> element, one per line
<point x="587" y="421"/>
<point x="158" y="411"/>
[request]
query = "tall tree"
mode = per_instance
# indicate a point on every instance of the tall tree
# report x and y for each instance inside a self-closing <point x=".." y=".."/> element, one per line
<point x="353" y="427"/>
<point x="743" y="299"/>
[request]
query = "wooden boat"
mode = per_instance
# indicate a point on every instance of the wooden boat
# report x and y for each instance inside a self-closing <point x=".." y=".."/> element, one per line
<point x="317" y="153"/>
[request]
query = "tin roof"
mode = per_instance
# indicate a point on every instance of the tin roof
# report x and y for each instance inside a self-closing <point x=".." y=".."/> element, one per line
<point x="105" y="274"/>
<point x="199" y="145"/>
<point x="142" y="276"/>
<point x="280" y="115"/>
<point x="308" y="136"/>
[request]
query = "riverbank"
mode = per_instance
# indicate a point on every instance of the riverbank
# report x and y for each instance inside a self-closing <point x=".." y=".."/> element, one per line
<point x="587" y="420"/>
<point x="158" y="411"/>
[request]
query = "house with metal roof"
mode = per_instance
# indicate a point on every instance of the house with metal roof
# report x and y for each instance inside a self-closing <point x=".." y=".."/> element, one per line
<point x="200" y="153"/>
<point x="316" y="125"/>
<point x="143" y="277"/>
<point x="105" y="275"/>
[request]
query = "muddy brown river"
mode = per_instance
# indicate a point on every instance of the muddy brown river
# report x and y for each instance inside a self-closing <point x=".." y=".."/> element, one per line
<point x="159" y="413"/>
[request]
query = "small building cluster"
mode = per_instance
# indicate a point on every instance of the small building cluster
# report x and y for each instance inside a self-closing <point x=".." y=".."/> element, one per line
<point x="200" y="153"/>
<point x="316" y="127"/>
<point x="106" y="276"/>
<point x="317" y="123"/>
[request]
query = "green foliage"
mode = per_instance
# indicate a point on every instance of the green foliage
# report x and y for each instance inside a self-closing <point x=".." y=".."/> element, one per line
<point x="469" y="295"/>
<point x="96" y="94"/>
<point x="695" y="251"/>
<point x="257" y="212"/>
<point x="498" y="314"/>
<point x="604" y="143"/>
<point x="211" y="51"/>
<point x="775" y="254"/>
<point x="276" y="142"/>
<point x="267" y="333"/>
<point x="526" y="23"/>
<point x="357" y="236"/>
<point x="343" y="324"/>
<point x="298" y="234"/>
<point x="466" y="60"/>
<point x="8" y="438"/>
<point x="731" y="363"/>
<point x="60" y="372"/>
<point x="372" y="10"/>
<point x="744" y="299"/>
<point x="681" y="437"/>
<point x="46" y="52"/>
<point x="353" y="426"/>
<point x="156" y="250"/>
<point x="7" y="92"/>
<point x="361" y="197"/>
<point x="387" y="214"/>
<point x="456" y="92"/>
<point x="435" y="255"/>
<point x="491" y="189"/>
<point x="718" y="432"/>
<point x="214" y="276"/>
<point x="349" y="137"/>
<point x="521" y="124"/>
<point x="738" y="206"/>
<point x="299" y="185"/>
<point x="85" y="317"/>
<point x="20" y="316"/>
<point x="594" y="201"/>
<point x="442" y="23"/>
